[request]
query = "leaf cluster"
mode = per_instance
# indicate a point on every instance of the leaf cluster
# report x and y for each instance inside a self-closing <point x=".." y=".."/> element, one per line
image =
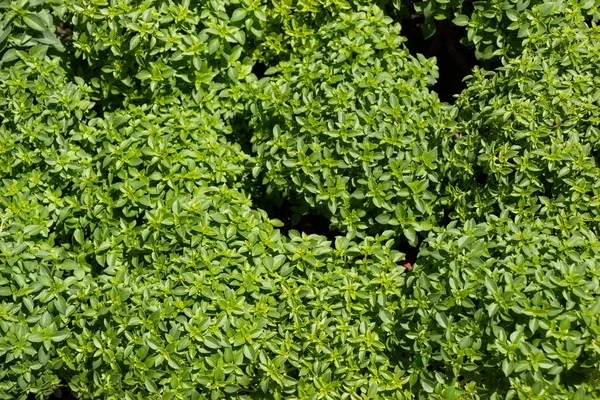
<point x="349" y="124"/>
<point x="134" y="263"/>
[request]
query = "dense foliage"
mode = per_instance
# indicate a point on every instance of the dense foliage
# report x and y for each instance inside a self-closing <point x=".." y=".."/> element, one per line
<point x="497" y="28"/>
<point x="532" y="128"/>
<point x="137" y="137"/>
<point x="349" y="124"/>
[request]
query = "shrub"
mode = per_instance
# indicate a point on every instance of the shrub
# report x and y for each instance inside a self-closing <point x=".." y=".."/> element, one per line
<point x="530" y="129"/>
<point x="217" y="304"/>
<point x="498" y="28"/>
<point x="506" y="304"/>
<point x="507" y="308"/>
<point x="27" y="23"/>
<point x="292" y="25"/>
<point x="348" y="124"/>
<point x="134" y="264"/>
<point x="130" y="50"/>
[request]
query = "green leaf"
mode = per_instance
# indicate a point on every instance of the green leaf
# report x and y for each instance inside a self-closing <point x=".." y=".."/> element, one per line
<point x="35" y="338"/>
<point x="78" y="235"/>
<point x="32" y="230"/>
<point x="111" y="260"/>
<point x="461" y="20"/>
<point x="385" y="316"/>
<point x="586" y="6"/>
<point x="35" y="22"/>
<point x="133" y="44"/>
<point x="373" y="389"/>
<point x="214" y="45"/>
<point x="442" y="319"/>
<point x="219" y="218"/>
<point x="150" y="385"/>
<point x="427" y="385"/>
<point x="212" y="343"/>
<point x="546" y="8"/>
<point x="10" y="55"/>
<point x="38" y="51"/>
<point x="60" y="336"/>
<point x="512" y="15"/>
<point x="507" y="367"/>
<point x="411" y="235"/>
<point x="238" y="15"/>
<point x="4" y="34"/>
<point x="382" y="219"/>
<point x="143" y="75"/>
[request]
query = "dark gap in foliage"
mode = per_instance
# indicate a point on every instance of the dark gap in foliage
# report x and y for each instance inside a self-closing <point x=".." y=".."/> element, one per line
<point x="411" y="253"/>
<point x="293" y="373"/>
<point x="589" y="21"/>
<point x="98" y="109"/>
<point x="293" y="214"/>
<point x="64" y="29"/>
<point x="595" y="154"/>
<point x="397" y="14"/>
<point x="447" y="218"/>
<point x="311" y="223"/>
<point x="480" y="175"/>
<point x="63" y="392"/>
<point x="412" y="30"/>
<point x="94" y="264"/>
<point x="454" y="60"/>
<point x="241" y="133"/>
<point x="317" y="224"/>
<point x="259" y="69"/>
<point x="548" y="190"/>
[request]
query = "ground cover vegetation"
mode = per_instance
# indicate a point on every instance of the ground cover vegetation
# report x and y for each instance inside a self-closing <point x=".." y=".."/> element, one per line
<point x="147" y="149"/>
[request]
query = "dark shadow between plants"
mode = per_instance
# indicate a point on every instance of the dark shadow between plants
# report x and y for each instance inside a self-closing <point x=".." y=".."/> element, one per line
<point x="454" y="60"/>
<point x="294" y="215"/>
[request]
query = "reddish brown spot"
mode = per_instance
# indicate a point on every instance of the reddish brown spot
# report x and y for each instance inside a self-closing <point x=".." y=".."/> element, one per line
<point x="408" y="266"/>
<point x="456" y="135"/>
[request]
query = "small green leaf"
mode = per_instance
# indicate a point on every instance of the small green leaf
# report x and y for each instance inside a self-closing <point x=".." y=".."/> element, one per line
<point x="385" y="316"/>
<point x="60" y="336"/>
<point x="212" y="343"/>
<point x="143" y="75"/>
<point x="35" y="22"/>
<point x="32" y="230"/>
<point x="4" y="34"/>
<point x="36" y="338"/>
<point x="78" y="235"/>
<point x="111" y="260"/>
<point x="546" y="8"/>
<point x="411" y="235"/>
<point x="10" y="55"/>
<point x="442" y="319"/>
<point x="133" y="43"/>
<point x="513" y="15"/>
<point x="150" y="385"/>
<point x="507" y="367"/>
<point x="373" y="389"/>
<point x="427" y="385"/>
<point x="238" y="15"/>
<point x="461" y="20"/>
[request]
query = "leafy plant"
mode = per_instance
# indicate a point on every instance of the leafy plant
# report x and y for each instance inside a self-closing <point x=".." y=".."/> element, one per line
<point x="348" y="124"/>
<point x="506" y="308"/>
<point x="530" y="129"/>
<point x="497" y="28"/>
<point x="26" y="23"/>
<point x="134" y="264"/>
